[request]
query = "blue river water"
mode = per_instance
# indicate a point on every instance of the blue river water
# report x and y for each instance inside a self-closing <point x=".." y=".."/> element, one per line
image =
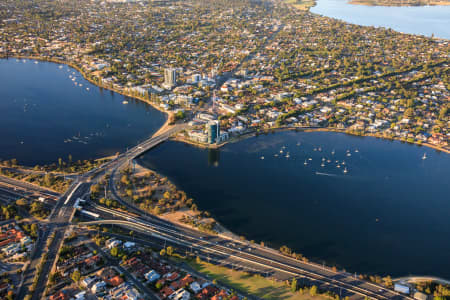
<point x="422" y="20"/>
<point x="388" y="214"/>
<point x="45" y="116"/>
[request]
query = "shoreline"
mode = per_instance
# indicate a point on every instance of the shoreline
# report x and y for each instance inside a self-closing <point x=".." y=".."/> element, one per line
<point x="233" y="140"/>
<point x="302" y="129"/>
<point x="242" y="137"/>
<point x="420" y="4"/>
<point x="79" y="70"/>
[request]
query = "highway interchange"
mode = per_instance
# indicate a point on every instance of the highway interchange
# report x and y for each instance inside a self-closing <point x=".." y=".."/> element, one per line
<point x="155" y="231"/>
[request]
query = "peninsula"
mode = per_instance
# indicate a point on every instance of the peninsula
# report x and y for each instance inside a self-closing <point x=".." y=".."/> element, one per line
<point x="223" y="70"/>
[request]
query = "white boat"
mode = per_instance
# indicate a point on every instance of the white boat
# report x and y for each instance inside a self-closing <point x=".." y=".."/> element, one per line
<point x="356" y="151"/>
<point x="424" y="156"/>
<point x="36" y="62"/>
<point x="345" y="170"/>
<point x="60" y="67"/>
<point x="276" y="155"/>
<point x="81" y="84"/>
<point x="349" y="154"/>
<point x="305" y="163"/>
<point x="87" y="89"/>
<point x="338" y="166"/>
<point x="332" y="152"/>
<point x="322" y="165"/>
<point x="281" y="151"/>
<point x="124" y="102"/>
<point x="287" y="155"/>
<point x="328" y="161"/>
<point x="310" y="159"/>
<point x="262" y="157"/>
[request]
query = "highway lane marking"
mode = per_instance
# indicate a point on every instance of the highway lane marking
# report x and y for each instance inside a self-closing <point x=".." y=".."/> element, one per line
<point x="303" y="272"/>
<point x="378" y="288"/>
<point x="71" y="194"/>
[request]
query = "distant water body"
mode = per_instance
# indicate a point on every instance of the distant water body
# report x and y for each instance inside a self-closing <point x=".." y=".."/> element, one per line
<point x="388" y="214"/>
<point x="48" y="111"/>
<point x="422" y="20"/>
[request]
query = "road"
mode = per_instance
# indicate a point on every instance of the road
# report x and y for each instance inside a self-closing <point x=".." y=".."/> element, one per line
<point x="61" y="216"/>
<point x="111" y="261"/>
<point x="250" y="257"/>
<point x="22" y="188"/>
<point x="215" y="248"/>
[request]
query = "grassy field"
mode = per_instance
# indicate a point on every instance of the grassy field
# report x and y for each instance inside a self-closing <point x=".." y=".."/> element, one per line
<point x="250" y="284"/>
<point x="301" y="4"/>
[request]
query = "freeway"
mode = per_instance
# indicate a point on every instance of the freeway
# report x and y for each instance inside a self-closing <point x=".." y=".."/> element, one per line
<point x="218" y="248"/>
<point x="255" y="258"/>
<point x="58" y="222"/>
<point x="25" y="188"/>
<point x="61" y="216"/>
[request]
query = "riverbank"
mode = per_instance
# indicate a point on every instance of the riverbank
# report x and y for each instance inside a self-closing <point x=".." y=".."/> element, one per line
<point x="302" y="129"/>
<point x="80" y="70"/>
<point x="398" y="3"/>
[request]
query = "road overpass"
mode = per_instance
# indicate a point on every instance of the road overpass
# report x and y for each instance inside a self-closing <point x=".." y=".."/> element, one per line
<point x="63" y="212"/>
<point x="218" y="248"/>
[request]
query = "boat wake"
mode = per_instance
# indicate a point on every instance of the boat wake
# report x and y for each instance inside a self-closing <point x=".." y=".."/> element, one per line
<point x="326" y="174"/>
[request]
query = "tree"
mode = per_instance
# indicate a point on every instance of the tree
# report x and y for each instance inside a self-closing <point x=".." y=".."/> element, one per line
<point x="34" y="229"/>
<point x="76" y="275"/>
<point x="387" y="281"/>
<point x="10" y="295"/>
<point x="294" y="285"/>
<point x="169" y="250"/>
<point x="162" y="252"/>
<point x="36" y="207"/>
<point x="114" y="251"/>
<point x="313" y="291"/>
<point x="180" y="115"/>
<point x="49" y="179"/>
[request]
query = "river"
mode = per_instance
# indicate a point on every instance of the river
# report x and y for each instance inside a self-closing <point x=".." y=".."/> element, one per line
<point x="46" y="116"/>
<point x="388" y="214"/>
<point x="422" y="20"/>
